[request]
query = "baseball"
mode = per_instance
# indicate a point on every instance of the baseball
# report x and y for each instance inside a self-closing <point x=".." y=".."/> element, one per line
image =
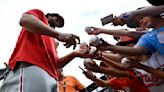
<point x="88" y="29"/>
<point x="92" y="50"/>
<point x="88" y="62"/>
<point x="124" y="62"/>
<point x="94" y="41"/>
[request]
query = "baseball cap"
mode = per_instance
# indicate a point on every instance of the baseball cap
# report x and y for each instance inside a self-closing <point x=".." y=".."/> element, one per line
<point x="123" y="40"/>
<point x="156" y="2"/>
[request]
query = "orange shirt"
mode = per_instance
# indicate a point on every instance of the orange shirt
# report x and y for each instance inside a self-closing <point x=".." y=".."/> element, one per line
<point x="72" y="84"/>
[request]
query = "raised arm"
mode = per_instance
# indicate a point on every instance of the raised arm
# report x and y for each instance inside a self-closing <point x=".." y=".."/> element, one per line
<point x="121" y="32"/>
<point x="107" y="70"/>
<point x="116" y="32"/>
<point x="147" y="11"/>
<point x="112" y="56"/>
<point x="112" y="63"/>
<point x="35" y="25"/>
<point x="123" y="50"/>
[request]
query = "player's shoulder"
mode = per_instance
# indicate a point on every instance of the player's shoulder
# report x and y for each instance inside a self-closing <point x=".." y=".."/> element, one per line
<point x="35" y="10"/>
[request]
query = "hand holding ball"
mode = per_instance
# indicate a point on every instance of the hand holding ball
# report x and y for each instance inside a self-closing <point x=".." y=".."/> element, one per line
<point x="94" y="41"/>
<point x="89" y="63"/>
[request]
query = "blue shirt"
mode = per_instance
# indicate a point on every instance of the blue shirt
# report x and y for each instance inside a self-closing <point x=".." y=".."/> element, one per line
<point x="153" y="41"/>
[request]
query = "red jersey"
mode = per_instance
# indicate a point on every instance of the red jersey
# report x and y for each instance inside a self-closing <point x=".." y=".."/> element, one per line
<point x="35" y="49"/>
<point x="131" y="85"/>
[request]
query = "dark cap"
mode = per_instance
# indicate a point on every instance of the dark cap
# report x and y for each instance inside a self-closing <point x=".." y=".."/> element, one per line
<point x="156" y="2"/>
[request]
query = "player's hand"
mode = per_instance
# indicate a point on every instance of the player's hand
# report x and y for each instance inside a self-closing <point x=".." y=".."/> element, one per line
<point x="69" y="39"/>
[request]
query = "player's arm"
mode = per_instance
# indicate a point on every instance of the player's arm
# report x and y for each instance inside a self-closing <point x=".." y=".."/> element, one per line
<point x="69" y="57"/>
<point x="65" y="60"/>
<point x="35" y="25"/>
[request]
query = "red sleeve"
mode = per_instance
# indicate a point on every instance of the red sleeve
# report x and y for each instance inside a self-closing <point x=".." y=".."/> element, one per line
<point x="36" y="12"/>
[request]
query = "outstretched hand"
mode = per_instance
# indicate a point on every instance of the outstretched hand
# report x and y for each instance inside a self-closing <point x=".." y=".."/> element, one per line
<point x="83" y="51"/>
<point x="103" y="45"/>
<point x="73" y="40"/>
<point x="92" y="30"/>
<point x="91" y="65"/>
<point x="69" y="39"/>
<point x="89" y="75"/>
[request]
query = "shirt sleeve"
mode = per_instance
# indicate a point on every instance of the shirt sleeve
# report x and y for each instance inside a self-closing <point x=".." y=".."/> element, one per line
<point x="36" y="12"/>
<point x="144" y="41"/>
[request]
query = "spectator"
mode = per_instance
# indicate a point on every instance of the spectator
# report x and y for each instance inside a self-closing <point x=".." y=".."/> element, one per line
<point x="69" y="83"/>
<point x="123" y="78"/>
<point x="148" y="43"/>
